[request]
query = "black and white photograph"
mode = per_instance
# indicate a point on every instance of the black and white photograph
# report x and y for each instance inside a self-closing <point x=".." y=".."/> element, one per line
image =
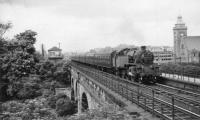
<point x="99" y="59"/>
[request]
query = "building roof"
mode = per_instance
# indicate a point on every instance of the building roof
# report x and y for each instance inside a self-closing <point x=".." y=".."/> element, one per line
<point x="192" y="42"/>
<point x="54" y="49"/>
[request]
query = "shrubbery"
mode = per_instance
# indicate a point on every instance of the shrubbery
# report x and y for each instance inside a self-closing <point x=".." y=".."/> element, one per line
<point x="64" y="107"/>
<point x="51" y="101"/>
<point x="185" y="69"/>
<point x="46" y="93"/>
<point x="62" y="95"/>
<point x="29" y="91"/>
<point x="61" y="103"/>
<point x="28" y="110"/>
<point x="12" y="107"/>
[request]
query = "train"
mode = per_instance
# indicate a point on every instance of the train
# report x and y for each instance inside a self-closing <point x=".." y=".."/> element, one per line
<point x="135" y="64"/>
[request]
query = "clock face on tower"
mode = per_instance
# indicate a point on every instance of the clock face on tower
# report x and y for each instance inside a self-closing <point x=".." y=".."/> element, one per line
<point x="181" y="34"/>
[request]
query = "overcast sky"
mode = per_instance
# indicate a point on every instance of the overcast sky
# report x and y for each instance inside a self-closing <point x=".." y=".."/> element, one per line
<point x="80" y="25"/>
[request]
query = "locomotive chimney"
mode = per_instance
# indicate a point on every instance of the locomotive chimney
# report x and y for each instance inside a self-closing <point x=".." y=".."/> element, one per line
<point x="143" y="48"/>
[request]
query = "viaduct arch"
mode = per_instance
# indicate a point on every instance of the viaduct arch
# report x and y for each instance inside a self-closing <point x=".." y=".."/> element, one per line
<point x="84" y="102"/>
<point x="83" y="95"/>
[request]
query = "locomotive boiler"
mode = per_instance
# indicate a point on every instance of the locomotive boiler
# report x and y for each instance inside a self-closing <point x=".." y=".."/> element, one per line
<point x="144" y="69"/>
<point x="129" y="63"/>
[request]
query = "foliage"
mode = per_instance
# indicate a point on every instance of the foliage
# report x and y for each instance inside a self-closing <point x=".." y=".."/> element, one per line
<point x="37" y="57"/>
<point x="64" y="107"/>
<point x="28" y="110"/>
<point x="61" y="84"/>
<point x="46" y="93"/>
<point x="61" y="77"/>
<point x="62" y="95"/>
<point x="3" y="43"/>
<point x="29" y="90"/>
<point x="46" y="85"/>
<point x="26" y="41"/>
<point x="12" y="106"/>
<point x="26" y="88"/>
<point x="67" y="72"/>
<point x="3" y="49"/>
<point x="47" y="70"/>
<point x="18" y="65"/>
<point x="108" y="112"/>
<point x="51" y="101"/>
<point x="20" y="62"/>
<point x="4" y="28"/>
<point x="185" y="69"/>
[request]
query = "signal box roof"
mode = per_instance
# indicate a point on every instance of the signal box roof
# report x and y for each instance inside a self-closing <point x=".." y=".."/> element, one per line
<point x="55" y="49"/>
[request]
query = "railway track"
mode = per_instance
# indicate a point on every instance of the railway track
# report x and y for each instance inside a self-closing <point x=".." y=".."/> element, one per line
<point x="184" y="99"/>
<point x="186" y="93"/>
<point x="195" y="97"/>
<point x="161" y="103"/>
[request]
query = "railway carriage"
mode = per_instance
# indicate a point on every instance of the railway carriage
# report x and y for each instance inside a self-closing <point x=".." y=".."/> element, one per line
<point x="130" y="63"/>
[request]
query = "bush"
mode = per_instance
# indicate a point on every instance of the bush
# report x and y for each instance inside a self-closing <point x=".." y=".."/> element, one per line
<point x="185" y="69"/>
<point x="47" y="93"/>
<point x="27" y="116"/>
<point x="64" y="107"/>
<point x="46" y="84"/>
<point x="29" y="91"/>
<point x="51" y="101"/>
<point x="62" y="95"/>
<point x="12" y="107"/>
<point x="28" y="110"/>
<point x="60" y="84"/>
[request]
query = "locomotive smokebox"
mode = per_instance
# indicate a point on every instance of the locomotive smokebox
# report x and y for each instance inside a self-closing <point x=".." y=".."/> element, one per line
<point x="143" y="48"/>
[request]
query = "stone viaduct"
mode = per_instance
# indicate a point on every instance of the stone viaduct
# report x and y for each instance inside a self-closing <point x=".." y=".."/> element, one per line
<point x="88" y="94"/>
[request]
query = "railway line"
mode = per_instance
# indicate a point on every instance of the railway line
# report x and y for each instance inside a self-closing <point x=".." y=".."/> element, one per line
<point x="165" y="102"/>
<point x="181" y="92"/>
<point x="185" y="100"/>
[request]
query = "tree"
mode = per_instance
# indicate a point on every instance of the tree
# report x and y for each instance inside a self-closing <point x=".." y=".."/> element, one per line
<point x="3" y="29"/>
<point x="47" y="70"/>
<point x="26" y="41"/>
<point x="3" y="44"/>
<point x="20" y="61"/>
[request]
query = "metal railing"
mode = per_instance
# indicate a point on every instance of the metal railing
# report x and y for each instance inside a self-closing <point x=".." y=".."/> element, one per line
<point x="146" y="97"/>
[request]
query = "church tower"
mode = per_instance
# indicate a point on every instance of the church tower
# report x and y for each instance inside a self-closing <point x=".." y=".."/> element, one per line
<point x="180" y="30"/>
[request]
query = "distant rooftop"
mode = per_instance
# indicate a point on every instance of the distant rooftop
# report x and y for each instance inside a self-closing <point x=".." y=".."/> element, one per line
<point x="55" y="49"/>
<point x="193" y="42"/>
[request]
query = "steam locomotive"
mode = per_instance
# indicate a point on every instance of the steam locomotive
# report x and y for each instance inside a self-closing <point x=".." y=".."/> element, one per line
<point x="130" y="63"/>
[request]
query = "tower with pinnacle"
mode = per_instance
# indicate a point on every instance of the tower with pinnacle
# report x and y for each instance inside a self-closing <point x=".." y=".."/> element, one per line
<point x="180" y="31"/>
